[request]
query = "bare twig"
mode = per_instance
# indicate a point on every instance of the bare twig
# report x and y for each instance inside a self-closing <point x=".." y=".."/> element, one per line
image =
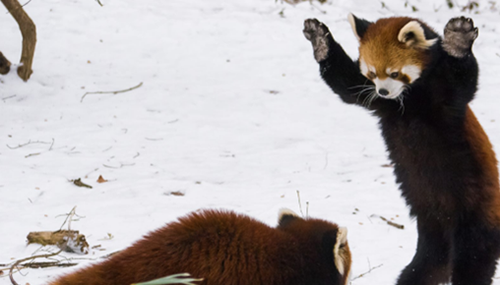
<point x="69" y="218"/>
<point x="52" y="144"/>
<point x="32" y="154"/>
<point x="87" y="175"/>
<point x="107" y="149"/>
<point x="98" y="1"/>
<point x="121" y="165"/>
<point x="300" y="204"/>
<point x="111" y="92"/>
<point x="11" y="271"/>
<point x="30" y="142"/>
<point x="12" y="96"/>
<point x="390" y="223"/>
<point x="46" y="264"/>
<point x="369" y="271"/>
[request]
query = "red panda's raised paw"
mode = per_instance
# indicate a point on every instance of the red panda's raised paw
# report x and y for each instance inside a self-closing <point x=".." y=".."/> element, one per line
<point x="459" y="35"/>
<point x="319" y="35"/>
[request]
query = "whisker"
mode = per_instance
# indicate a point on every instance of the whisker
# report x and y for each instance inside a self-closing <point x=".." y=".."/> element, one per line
<point x="370" y="98"/>
<point x="364" y="85"/>
<point x="401" y="103"/>
<point x="367" y="100"/>
<point x="367" y="88"/>
<point x="401" y="97"/>
<point x="373" y="97"/>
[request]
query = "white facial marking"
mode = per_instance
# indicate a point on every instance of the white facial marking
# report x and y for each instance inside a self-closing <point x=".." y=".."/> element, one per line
<point x="339" y="258"/>
<point x="412" y="71"/>
<point x="364" y="67"/>
<point x="394" y="87"/>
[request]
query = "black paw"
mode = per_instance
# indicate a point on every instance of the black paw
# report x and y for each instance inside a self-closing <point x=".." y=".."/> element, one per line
<point x="459" y="35"/>
<point x="319" y="35"/>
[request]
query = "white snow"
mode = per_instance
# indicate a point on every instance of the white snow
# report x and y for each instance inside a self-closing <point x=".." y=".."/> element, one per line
<point x="232" y="112"/>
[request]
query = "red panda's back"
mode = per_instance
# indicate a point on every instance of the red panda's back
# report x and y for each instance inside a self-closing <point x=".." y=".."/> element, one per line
<point x="222" y="247"/>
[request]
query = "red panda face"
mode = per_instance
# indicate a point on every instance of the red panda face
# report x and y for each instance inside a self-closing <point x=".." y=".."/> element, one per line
<point x="392" y="52"/>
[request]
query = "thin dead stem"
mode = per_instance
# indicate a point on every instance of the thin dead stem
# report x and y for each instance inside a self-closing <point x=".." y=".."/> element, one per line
<point x="111" y="92"/>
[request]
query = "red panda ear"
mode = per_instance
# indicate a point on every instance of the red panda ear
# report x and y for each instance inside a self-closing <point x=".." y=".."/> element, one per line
<point x="413" y="35"/>
<point x="341" y="252"/>
<point x="285" y="216"/>
<point x="359" y="26"/>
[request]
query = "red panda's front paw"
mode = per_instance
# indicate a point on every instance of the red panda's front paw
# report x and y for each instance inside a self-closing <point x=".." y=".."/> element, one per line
<point x="459" y="35"/>
<point x="319" y="35"/>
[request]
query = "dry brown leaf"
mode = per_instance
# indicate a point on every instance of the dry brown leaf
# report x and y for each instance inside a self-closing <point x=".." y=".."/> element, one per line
<point x="101" y="179"/>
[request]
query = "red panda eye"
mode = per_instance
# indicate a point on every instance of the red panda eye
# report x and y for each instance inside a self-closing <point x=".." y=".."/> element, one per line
<point x="394" y="75"/>
<point x="372" y="75"/>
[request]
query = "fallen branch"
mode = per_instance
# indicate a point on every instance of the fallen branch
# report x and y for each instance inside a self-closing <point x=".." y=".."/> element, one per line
<point x="390" y="223"/>
<point x="111" y="92"/>
<point x="62" y="248"/>
<point x="46" y="264"/>
<point x="28" y="31"/>
<point x="69" y="240"/>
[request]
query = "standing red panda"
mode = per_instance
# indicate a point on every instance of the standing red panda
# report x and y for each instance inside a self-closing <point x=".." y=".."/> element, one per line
<point x="419" y="86"/>
<point x="223" y="247"/>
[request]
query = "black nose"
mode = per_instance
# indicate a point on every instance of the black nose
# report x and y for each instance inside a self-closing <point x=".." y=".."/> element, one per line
<point x="383" y="92"/>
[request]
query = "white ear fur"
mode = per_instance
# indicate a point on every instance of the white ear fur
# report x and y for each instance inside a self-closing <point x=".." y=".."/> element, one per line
<point x="337" y="256"/>
<point x="351" y="20"/>
<point x="418" y="39"/>
<point x="286" y="212"/>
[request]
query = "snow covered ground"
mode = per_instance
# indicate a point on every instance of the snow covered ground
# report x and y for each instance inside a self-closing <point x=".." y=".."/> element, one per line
<point x="232" y="113"/>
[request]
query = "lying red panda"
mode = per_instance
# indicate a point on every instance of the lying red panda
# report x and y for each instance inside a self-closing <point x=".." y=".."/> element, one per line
<point x="223" y="247"/>
<point x="419" y="85"/>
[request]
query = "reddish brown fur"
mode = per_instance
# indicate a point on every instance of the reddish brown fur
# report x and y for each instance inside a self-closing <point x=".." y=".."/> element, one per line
<point x="380" y="48"/>
<point x="223" y="248"/>
<point x="483" y="151"/>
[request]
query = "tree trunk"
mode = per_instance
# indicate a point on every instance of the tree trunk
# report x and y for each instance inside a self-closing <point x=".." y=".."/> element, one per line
<point x="4" y="64"/>
<point x="28" y="30"/>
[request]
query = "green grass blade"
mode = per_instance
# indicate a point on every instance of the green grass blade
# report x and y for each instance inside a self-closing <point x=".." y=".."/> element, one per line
<point x="172" y="279"/>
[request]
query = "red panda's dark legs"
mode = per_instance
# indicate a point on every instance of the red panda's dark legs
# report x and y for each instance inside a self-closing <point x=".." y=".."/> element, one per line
<point x="476" y="249"/>
<point x="431" y="263"/>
